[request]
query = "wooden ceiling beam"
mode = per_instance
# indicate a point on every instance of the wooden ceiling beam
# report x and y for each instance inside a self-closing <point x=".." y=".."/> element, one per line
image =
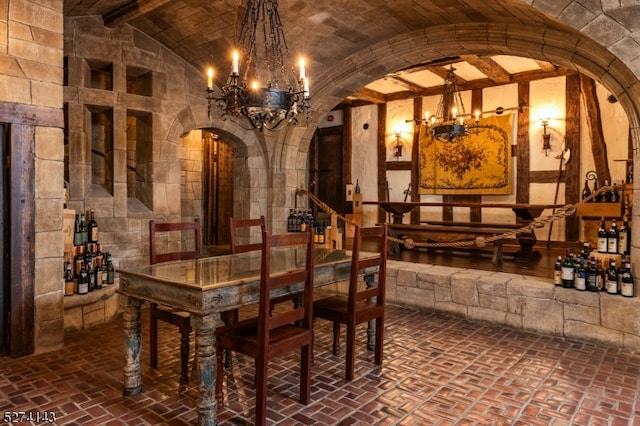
<point x="131" y="10"/>
<point x="489" y="67"/>
<point x="402" y="82"/>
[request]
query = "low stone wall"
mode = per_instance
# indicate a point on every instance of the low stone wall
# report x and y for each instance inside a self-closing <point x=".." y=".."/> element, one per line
<point x="95" y="308"/>
<point x="519" y="301"/>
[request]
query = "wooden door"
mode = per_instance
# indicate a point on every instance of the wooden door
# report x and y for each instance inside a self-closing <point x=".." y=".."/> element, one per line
<point x="4" y="278"/>
<point x="217" y="190"/>
<point x="325" y="166"/>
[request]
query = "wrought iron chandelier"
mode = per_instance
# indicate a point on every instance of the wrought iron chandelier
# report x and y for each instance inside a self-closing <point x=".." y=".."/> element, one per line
<point x="450" y="121"/>
<point x="278" y="103"/>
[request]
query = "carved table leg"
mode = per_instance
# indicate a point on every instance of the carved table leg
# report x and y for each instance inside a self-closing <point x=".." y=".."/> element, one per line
<point x="132" y="342"/>
<point x="206" y="368"/>
<point x="371" y="281"/>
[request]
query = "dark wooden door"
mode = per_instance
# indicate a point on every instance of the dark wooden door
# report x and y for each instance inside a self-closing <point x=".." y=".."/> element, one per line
<point x="4" y="241"/>
<point x="325" y="165"/>
<point x="217" y="190"/>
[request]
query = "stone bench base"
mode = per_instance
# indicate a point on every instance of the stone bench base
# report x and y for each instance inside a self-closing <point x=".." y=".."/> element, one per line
<point x="97" y="307"/>
<point x="524" y="302"/>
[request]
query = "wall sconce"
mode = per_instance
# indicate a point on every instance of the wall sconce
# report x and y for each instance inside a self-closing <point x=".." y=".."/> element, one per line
<point x="546" y="138"/>
<point x="398" y="148"/>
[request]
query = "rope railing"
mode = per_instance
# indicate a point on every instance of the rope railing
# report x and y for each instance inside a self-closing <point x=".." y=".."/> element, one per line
<point x="539" y="222"/>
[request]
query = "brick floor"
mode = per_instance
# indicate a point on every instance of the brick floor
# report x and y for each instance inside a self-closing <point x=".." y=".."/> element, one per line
<point x="438" y="370"/>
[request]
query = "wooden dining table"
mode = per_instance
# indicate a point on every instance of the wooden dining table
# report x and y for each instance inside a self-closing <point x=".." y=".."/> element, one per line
<point x="204" y="288"/>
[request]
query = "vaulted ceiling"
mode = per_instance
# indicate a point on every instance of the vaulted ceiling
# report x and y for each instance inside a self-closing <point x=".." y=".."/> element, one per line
<point x="327" y="32"/>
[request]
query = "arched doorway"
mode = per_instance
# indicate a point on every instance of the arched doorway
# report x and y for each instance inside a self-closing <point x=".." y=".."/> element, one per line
<point x="217" y="188"/>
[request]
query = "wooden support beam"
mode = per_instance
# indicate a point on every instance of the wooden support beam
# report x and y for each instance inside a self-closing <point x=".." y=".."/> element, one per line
<point x="522" y="183"/>
<point x="572" y="142"/>
<point x="415" y="196"/>
<point x="594" y="127"/>
<point x="382" y="158"/>
<point x="489" y="67"/>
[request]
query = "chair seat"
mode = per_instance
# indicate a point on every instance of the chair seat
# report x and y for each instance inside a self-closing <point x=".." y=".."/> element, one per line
<point x="336" y="308"/>
<point x="242" y="336"/>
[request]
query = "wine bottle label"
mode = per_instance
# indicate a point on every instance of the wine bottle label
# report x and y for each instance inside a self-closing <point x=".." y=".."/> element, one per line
<point x="612" y="245"/>
<point x="626" y="289"/>
<point x="602" y="244"/>
<point x="622" y="243"/>
<point x="567" y="273"/>
<point x="612" y="286"/>
<point x="557" y="277"/>
<point x="581" y="283"/>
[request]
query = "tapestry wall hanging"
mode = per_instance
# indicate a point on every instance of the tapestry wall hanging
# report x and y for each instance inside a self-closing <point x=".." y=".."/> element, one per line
<point x="480" y="163"/>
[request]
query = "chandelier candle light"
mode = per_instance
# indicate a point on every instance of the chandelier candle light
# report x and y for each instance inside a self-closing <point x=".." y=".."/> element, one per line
<point x="449" y="121"/>
<point x="270" y="107"/>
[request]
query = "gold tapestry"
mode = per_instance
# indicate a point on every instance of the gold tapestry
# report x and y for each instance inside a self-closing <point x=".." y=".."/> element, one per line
<point x="477" y="164"/>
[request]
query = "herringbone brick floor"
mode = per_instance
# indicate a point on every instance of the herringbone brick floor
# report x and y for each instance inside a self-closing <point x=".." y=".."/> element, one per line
<point x="438" y="370"/>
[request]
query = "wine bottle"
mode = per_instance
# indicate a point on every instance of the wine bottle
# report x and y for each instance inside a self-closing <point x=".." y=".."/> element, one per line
<point x="557" y="272"/>
<point x="78" y="260"/>
<point x="357" y="191"/>
<point x="606" y="196"/>
<point x="602" y="275"/>
<point x="93" y="228"/>
<point x="623" y="237"/>
<point x="83" y="228"/>
<point x="611" y="283"/>
<point x="592" y="275"/>
<point x="322" y="237"/>
<point x="77" y="232"/>
<point x="581" y="276"/>
<point x="91" y="277"/>
<point x="97" y="271"/>
<point x="627" y="285"/>
<point x="68" y="279"/>
<point x="612" y="238"/>
<point x="110" y="270"/>
<point x="596" y="186"/>
<point x="621" y="271"/>
<point x="291" y="220"/>
<point x="602" y="245"/>
<point x="586" y="192"/>
<point x="568" y="271"/>
<point x="83" y="281"/>
<point x="615" y="195"/>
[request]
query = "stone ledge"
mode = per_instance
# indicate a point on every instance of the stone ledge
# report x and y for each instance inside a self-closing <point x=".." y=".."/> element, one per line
<point x="95" y="308"/>
<point x="524" y="302"/>
<point x="76" y="300"/>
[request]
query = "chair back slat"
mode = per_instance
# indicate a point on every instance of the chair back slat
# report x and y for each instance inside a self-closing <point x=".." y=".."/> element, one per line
<point x="184" y="228"/>
<point x="286" y="313"/>
<point x="378" y="236"/>
<point x="288" y="317"/>
<point x="236" y="226"/>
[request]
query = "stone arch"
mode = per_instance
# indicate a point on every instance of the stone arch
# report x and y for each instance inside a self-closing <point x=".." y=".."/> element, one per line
<point x="250" y="166"/>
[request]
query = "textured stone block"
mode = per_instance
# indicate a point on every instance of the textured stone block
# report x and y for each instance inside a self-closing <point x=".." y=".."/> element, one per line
<point x="591" y="332"/>
<point x="542" y="315"/>
<point x="464" y="290"/>
<point x="621" y="314"/>
<point x="582" y="313"/>
<point x="451" y="308"/>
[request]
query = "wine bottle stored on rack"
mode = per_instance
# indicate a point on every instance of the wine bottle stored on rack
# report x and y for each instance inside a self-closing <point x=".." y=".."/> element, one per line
<point x="92" y="228"/>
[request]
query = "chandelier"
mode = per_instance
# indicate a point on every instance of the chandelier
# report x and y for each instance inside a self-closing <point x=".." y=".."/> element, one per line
<point x="450" y="121"/>
<point x="263" y="50"/>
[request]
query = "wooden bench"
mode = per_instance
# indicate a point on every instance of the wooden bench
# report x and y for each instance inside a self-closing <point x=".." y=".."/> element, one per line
<point x="445" y="231"/>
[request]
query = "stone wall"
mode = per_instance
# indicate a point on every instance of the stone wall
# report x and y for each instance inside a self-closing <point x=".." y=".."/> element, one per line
<point x="519" y="301"/>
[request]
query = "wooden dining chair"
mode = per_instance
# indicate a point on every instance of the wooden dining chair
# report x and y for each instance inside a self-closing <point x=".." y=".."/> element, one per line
<point x="164" y="313"/>
<point x="272" y="334"/>
<point x="235" y="227"/>
<point x="362" y="303"/>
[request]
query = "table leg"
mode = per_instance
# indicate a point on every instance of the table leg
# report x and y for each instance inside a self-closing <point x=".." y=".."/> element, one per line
<point x="132" y="342"/>
<point x="371" y="281"/>
<point x="207" y="405"/>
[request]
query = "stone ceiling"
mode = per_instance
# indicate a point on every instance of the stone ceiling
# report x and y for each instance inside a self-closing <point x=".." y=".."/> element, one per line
<point x="202" y="32"/>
